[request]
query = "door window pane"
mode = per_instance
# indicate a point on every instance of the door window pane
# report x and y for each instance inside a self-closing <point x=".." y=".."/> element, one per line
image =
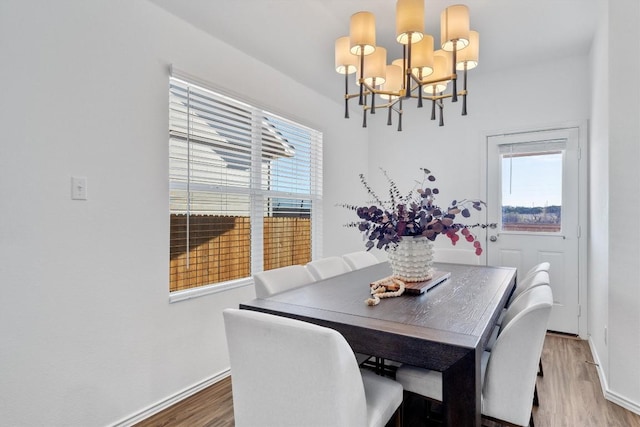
<point x="532" y="191"/>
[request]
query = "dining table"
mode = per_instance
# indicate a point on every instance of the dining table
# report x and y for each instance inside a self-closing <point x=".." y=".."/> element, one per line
<point x="445" y="329"/>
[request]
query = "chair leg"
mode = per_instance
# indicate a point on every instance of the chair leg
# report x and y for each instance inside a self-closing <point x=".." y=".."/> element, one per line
<point x="540" y="371"/>
<point x="399" y="415"/>
<point x="536" y="402"/>
<point x="531" y="424"/>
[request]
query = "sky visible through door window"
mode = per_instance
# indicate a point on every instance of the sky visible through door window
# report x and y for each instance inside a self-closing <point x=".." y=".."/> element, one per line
<point x="532" y="191"/>
<point x="532" y="180"/>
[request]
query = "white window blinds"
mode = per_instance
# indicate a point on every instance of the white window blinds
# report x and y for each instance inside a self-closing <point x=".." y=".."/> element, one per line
<point x="533" y="147"/>
<point x="245" y="186"/>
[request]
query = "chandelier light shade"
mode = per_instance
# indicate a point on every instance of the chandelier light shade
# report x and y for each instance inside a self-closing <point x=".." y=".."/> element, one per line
<point x="467" y="60"/>
<point x="393" y="82"/>
<point x="409" y="21"/>
<point x="420" y="72"/>
<point x="454" y="35"/>
<point x="392" y="86"/>
<point x="375" y="67"/>
<point x="440" y="78"/>
<point x="375" y="72"/>
<point x="454" y="27"/>
<point x="468" y="57"/>
<point x="422" y="61"/>
<point x="362" y="33"/>
<point x="346" y="63"/>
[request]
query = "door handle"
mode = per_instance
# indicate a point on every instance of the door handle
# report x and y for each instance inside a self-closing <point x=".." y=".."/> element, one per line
<point x="493" y="238"/>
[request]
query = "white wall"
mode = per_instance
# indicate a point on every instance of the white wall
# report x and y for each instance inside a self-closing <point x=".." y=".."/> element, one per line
<point x="624" y="201"/>
<point x="598" y="251"/>
<point x="614" y="294"/>
<point x="88" y="335"/>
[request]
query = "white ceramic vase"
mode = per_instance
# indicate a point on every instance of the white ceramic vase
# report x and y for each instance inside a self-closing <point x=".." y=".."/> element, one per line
<point x="412" y="259"/>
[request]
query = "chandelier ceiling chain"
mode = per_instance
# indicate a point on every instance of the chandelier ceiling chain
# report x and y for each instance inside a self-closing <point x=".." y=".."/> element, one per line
<point x="421" y="73"/>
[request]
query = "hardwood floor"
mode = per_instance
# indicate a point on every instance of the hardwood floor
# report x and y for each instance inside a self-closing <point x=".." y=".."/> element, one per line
<point x="570" y="396"/>
<point x="570" y="392"/>
<point x="211" y="407"/>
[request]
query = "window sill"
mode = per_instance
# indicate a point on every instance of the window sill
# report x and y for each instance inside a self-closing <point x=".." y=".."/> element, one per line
<point x="208" y="290"/>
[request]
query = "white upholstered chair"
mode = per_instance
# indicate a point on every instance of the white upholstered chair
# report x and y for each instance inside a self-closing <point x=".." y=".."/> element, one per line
<point x="510" y="375"/>
<point x="285" y="372"/>
<point x="281" y="279"/>
<point x="360" y="259"/>
<point x="510" y="313"/>
<point x="535" y="277"/>
<point x="329" y="267"/>
<point x="324" y="268"/>
<point x="532" y="278"/>
<point x="539" y="278"/>
<point x="543" y="266"/>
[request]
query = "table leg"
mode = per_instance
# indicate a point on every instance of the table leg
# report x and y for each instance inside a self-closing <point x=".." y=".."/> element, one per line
<point x="461" y="391"/>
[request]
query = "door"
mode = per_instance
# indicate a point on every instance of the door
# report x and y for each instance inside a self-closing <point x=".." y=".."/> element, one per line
<point x="533" y="198"/>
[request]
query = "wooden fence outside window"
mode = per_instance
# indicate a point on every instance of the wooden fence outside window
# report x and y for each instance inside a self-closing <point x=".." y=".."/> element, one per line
<point x="220" y="247"/>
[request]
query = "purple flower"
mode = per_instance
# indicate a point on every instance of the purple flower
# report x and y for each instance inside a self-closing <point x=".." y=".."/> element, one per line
<point x="385" y="223"/>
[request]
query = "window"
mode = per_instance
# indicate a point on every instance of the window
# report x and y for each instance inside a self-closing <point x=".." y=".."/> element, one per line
<point x="532" y="186"/>
<point x="245" y="188"/>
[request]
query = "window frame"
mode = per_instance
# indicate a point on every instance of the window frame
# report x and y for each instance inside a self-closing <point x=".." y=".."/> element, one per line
<point x="257" y="195"/>
<point x="532" y="149"/>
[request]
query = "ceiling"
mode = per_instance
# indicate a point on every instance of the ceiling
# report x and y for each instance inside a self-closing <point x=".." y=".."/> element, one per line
<point x="297" y="37"/>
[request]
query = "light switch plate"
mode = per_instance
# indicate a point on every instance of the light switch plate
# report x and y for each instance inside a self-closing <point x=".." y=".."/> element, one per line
<point x="78" y="188"/>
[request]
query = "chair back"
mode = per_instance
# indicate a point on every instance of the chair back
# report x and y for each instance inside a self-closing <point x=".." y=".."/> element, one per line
<point x="510" y="378"/>
<point x="360" y="259"/>
<point x="543" y="266"/>
<point x="286" y="372"/>
<point x="530" y="281"/>
<point x="522" y="301"/>
<point x="324" y="268"/>
<point x="281" y="279"/>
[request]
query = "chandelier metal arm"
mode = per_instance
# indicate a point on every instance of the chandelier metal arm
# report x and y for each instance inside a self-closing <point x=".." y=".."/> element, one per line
<point x="407" y="63"/>
<point x="453" y="77"/>
<point x="464" y="90"/>
<point x="360" y="101"/>
<point x="387" y="105"/>
<point x="364" y="112"/>
<point x="373" y="90"/>
<point x="373" y="96"/>
<point x="346" y="95"/>
<point x="390" y="106"/>
<point x="355" y="95"/>
<point x="454" y="98"/>
<point x="441" y="96"/>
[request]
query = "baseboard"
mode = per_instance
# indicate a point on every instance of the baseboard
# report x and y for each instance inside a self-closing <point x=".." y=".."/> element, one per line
<point x="622" y="401"/>
<point x="171" y="400"/>
<point x="596" y="360"/>
<point x="607" y="393"/>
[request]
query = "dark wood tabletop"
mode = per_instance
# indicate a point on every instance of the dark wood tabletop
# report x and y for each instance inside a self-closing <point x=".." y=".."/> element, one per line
<point x="445" y="329"/>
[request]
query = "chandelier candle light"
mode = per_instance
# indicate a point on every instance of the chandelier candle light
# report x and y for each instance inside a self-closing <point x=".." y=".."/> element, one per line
<point x="420" y="73"/>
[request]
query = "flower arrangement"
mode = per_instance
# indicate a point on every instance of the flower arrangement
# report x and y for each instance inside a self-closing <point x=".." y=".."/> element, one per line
<point x="415" y="214"/>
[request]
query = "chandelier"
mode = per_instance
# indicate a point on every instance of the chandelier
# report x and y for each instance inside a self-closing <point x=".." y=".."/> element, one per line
<point x="422" y="73"/>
